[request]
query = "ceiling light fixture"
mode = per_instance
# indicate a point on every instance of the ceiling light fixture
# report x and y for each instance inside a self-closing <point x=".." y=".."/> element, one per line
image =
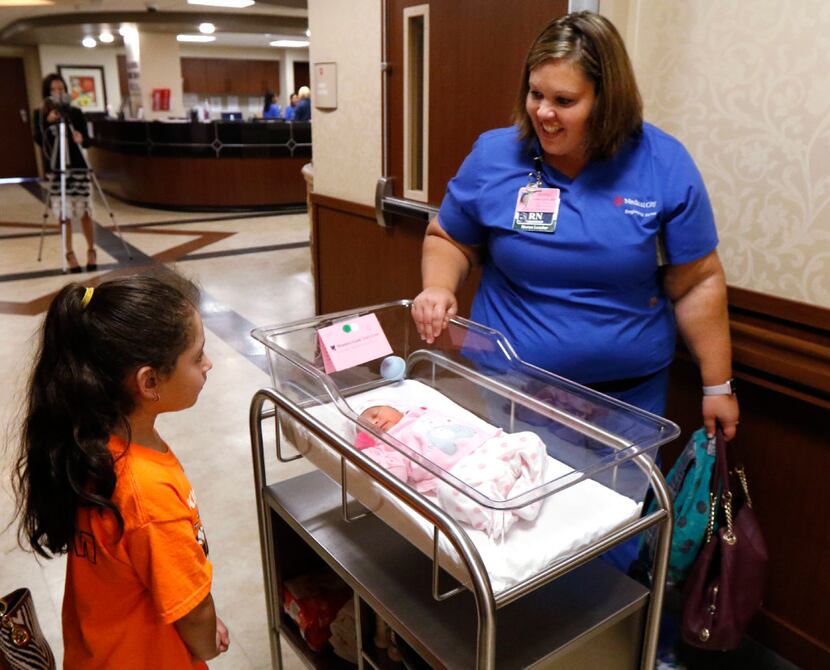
<point x="24" y="3"/>
<point x="127" y="31"/>
<point x="195" y="38"/>
<point x="237" y="4"/>
<point x="207" y="28"/>
<point x="89" y="42"/>
<point x="289" y="43"/>
<point x="106" y="37"/>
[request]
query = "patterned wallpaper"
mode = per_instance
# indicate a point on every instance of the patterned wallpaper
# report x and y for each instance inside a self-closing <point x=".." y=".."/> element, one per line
<point x="745" y="85"/>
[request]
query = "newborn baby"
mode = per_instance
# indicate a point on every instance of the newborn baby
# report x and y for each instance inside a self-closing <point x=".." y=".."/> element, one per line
<point x="497" y="464"/>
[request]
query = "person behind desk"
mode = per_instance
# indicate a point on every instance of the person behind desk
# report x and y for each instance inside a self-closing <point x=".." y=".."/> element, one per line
<point x="77" y="187"/>
<point x="270" y="107"/>
<point x="291" y="108"/>
<point x="303" y="110"/>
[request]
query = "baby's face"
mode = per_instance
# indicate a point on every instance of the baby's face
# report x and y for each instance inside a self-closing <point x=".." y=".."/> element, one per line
<point x="382" y="417"/>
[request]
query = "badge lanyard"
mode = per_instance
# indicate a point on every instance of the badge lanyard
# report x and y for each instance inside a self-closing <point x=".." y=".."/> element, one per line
<point x="537" y="208"/>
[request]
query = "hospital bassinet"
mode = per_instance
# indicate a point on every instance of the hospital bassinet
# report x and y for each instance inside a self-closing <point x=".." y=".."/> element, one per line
<point x="599" y="467"/>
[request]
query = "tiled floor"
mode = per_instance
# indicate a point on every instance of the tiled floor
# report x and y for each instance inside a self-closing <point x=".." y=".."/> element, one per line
<point x="253" y="271"/>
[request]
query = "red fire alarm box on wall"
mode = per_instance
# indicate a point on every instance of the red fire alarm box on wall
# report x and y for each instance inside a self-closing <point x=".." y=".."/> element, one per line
<point x="161" y="99"/>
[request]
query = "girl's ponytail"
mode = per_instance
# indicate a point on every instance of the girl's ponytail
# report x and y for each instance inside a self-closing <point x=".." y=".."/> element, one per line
<point x="90" y="344"/>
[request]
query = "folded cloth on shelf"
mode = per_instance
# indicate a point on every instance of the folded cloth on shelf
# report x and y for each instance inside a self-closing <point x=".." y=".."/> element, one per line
<point x="344" y="633"/>
<point x="313" y="600"/>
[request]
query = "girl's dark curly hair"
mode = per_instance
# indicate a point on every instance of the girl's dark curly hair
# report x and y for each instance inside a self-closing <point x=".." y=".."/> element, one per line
<point x="78" y="396"/>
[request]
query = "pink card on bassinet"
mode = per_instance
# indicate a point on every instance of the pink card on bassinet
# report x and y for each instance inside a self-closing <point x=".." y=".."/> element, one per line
<point x="352" y="342"/>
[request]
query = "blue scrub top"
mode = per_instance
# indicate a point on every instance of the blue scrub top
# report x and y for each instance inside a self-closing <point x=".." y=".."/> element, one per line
<point x="586" y="301"/>
<point x="273" y="112"/>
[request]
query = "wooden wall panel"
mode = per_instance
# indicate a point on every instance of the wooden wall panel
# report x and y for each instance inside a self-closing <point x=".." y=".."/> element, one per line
<point x="360" y="263"/>
<point x="781" y="357"/>
<point x="200" y="182"/>
<point x="783" y="441"/>
<point x="123" y="79"/>
<point x="477" y="48"/>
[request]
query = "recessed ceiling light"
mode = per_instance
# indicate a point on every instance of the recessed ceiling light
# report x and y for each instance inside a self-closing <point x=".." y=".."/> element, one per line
<point x="106" y="37"/>
<point x="127" y="31"/>
<point x="89" y="42"/>
<point x="289" y="43"/>
<point x="222" y="3"/>
<point x="207" y="28"/>
<point x="195" y="38"/>
<point x="24" y="3"/>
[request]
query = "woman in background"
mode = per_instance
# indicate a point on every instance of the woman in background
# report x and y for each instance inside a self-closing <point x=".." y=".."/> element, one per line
<point x="76" y="188"/>
<point x="270" y="107"/>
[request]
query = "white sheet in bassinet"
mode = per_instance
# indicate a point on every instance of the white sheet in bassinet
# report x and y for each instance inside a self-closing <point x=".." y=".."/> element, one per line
<point x="569" y="520"/>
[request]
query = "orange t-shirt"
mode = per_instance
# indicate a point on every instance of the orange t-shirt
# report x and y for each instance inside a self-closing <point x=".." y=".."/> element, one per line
<point x="123" y="593"/>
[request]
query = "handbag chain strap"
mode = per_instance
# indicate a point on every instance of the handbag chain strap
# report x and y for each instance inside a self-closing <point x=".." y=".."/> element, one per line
<point x="713" y="508"/>
<point x="19" y="634"/>
<point x="739" y="470"/>
<point x="729" y="535"/>
<point x="720" y="492"/>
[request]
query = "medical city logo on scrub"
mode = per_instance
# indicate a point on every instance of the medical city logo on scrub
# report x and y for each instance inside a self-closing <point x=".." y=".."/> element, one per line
<point x="644" y="208"/>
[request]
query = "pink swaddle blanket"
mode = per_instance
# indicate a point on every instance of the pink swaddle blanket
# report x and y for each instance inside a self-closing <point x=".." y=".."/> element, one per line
<point x="503" y="467"/>
<point x="498" y="465"/>
<point x="437" y="437"/>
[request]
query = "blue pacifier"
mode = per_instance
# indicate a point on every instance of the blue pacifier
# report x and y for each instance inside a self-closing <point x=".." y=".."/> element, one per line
<point x="392" y="367"/>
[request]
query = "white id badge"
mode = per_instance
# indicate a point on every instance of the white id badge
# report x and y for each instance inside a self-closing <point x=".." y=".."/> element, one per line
<point x="536" y="210"/>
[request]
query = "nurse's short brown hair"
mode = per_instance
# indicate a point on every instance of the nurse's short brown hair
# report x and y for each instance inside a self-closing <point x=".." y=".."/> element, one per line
<point x="593" y="43"/>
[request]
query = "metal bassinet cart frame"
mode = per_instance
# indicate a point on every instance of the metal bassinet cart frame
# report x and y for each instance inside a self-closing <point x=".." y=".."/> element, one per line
<point x="312" y="510"/>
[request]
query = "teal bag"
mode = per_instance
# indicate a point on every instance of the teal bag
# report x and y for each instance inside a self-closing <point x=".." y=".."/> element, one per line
<point x="688" y="482"/>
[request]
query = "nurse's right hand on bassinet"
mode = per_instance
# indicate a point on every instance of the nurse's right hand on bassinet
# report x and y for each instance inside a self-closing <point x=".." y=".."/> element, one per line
<point x="432" y="310"/>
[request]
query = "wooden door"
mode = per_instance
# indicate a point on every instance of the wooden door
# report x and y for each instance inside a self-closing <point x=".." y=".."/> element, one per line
<point x="253" y="76"/>
<point x="301" y="75"/>
<point x="216" y="73"/>
<point x="264" y="76"/>
<point x="476" y="52"/>
<point x="194" y="75"/>
<point x="17" y="152"/>
<point x="236" y="78"/>
<point x="270" y="72"/>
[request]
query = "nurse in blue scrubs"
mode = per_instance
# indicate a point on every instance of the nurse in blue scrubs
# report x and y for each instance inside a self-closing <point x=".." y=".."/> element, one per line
<point x="566" y="210"/>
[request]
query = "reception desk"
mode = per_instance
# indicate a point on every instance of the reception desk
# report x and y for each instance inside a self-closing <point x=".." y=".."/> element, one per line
<point x="202" y="166"/>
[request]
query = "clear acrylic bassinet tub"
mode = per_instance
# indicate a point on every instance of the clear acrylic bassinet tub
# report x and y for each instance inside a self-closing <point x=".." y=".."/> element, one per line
<point x="600" y="451"/>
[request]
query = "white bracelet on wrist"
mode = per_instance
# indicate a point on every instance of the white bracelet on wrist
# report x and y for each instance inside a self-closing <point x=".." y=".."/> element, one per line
<point x="727" y="388"/>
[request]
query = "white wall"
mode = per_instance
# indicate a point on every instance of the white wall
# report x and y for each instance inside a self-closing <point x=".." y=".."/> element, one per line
<point x="348" y="140"/>
<point x="159" y="67"/>
<point x="51" y="56"/>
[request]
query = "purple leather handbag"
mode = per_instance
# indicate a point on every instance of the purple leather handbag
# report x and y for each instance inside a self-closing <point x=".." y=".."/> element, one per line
<point x="726" y="583"/>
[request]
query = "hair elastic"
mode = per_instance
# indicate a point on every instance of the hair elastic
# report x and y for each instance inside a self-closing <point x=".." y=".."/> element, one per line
<point x="87" y="296"/>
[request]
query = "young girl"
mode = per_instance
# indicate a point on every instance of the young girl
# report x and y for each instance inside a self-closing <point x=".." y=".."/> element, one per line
<point x="96" y="481"/>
